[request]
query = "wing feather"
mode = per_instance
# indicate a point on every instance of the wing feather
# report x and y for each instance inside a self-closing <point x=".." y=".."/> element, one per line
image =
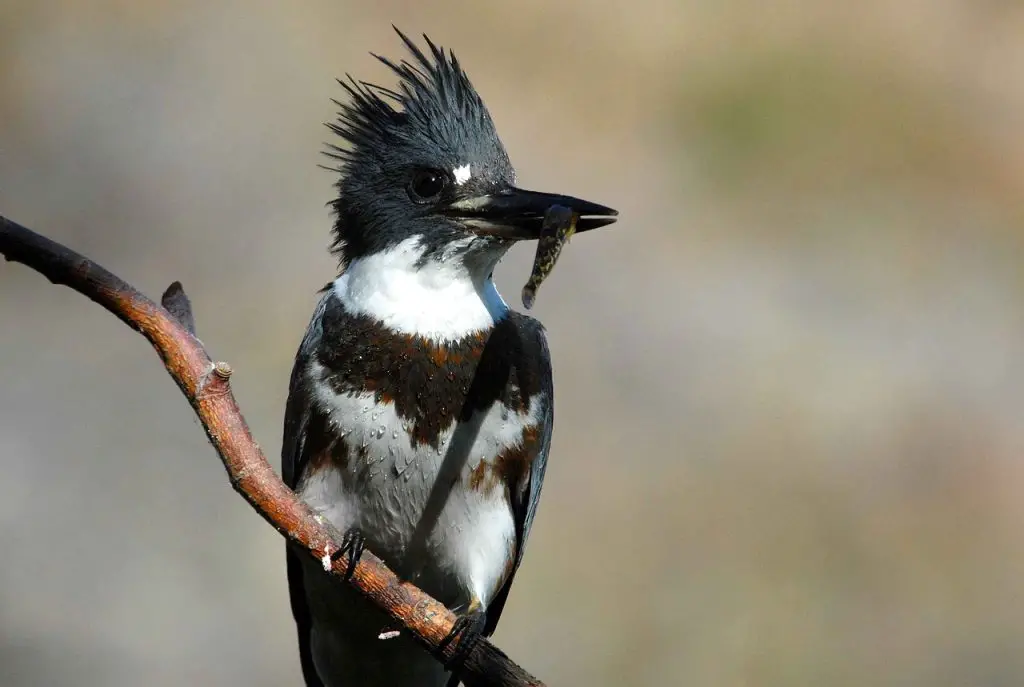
<point x="525" y="498"/>
<point x="294" y="458"/>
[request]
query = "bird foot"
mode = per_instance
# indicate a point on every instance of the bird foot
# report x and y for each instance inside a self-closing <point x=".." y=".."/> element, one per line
<point x="465" y="634"/>
<point x="352" y="545"/>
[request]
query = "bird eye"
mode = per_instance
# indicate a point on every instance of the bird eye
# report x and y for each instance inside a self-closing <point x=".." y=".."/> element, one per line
<point x="427" y="184"/>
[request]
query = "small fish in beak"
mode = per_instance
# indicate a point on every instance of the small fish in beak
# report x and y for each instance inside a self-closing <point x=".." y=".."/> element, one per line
<point x="558" y="227"/>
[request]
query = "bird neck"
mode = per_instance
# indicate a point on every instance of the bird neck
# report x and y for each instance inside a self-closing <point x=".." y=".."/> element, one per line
<point x="439" y="298"/>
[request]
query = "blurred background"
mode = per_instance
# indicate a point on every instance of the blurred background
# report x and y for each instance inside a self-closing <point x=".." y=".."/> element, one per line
<point x="790" y="379"/>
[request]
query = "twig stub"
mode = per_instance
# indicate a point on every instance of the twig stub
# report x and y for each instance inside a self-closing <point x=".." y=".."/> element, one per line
<point x="177" y="303"/>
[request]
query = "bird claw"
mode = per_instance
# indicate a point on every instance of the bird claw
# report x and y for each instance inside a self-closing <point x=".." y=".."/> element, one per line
<point x="352" y="545"/>
<point x="466" y="634"/>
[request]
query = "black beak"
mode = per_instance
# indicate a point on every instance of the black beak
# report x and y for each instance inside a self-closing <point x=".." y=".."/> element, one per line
<point x="516" y="214"/>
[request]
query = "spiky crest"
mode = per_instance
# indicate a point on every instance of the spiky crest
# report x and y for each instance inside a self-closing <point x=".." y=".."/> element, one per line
<point x="436" y="98"/>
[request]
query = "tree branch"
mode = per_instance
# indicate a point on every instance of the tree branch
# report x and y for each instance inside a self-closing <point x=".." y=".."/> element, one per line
<point x="169" y="328"/>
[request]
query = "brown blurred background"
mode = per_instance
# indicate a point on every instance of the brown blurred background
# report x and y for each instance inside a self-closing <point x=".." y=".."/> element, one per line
<point x="790" y="380"/>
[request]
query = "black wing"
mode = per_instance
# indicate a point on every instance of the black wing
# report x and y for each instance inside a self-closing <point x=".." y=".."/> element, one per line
<point x="294" y="456"/>
<point x="534" y="359"/>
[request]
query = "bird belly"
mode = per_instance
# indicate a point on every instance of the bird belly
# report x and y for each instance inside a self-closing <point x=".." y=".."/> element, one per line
<point x="428" y="510"/>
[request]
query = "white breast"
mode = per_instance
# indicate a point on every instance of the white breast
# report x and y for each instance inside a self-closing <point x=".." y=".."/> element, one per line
<point x="397" y="492"/>
<point x="441" y="300"/>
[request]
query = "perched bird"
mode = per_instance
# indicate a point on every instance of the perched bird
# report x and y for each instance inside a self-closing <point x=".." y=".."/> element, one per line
<point x="419" y="413"/>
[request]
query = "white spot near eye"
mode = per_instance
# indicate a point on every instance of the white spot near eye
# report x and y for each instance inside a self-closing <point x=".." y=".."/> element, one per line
<point x="462" y="174"/>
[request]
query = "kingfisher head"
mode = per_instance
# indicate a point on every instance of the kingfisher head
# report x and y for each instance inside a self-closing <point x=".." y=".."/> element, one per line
<point x="425" y="176"/>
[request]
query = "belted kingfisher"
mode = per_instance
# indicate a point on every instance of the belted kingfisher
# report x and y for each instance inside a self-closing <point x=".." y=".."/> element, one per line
<point x="419" y="413"/>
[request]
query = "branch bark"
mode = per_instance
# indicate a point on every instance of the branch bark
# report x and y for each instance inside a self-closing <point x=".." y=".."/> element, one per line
<point x="206" y="386"/>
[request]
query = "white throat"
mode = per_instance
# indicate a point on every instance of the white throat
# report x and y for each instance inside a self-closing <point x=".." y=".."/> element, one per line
<point x="441" y="300"/>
